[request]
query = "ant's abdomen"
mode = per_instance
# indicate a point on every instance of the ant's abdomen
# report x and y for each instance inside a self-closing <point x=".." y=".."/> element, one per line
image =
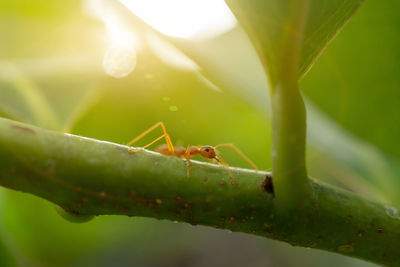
<point x="163" y="149"/>
<point x="180" y="151"/>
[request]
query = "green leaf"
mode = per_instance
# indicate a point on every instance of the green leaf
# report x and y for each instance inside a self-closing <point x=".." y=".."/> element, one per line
<point x="355" y="83"/>
<point x="361" y="72"/>
<point x="267" y="22"/>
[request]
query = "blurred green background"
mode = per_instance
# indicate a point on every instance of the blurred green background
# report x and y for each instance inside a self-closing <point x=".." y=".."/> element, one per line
<point x="51" y="75"/>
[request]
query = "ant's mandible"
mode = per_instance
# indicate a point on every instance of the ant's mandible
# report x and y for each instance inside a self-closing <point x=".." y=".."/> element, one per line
<point x="208" y="152"/>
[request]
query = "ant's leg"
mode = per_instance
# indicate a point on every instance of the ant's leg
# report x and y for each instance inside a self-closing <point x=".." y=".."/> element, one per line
<point x="225" y="165"/>
<point x="169" y="143"/>
<point x="141" y="148"/>
<point x="134" y="140"/>
<point x="171" y="148"/>
<point x="240" y="153"/>
<point x="187" y="156"/>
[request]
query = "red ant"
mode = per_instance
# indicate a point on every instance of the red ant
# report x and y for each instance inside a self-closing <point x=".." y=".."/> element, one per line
<point x="208" y="152"/>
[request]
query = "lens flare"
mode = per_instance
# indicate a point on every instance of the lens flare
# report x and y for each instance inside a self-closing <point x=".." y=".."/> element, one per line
<point x="119" y="61"/>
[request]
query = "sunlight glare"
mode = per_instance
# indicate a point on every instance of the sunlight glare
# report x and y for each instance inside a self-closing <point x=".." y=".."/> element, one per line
<point x="120" y="58"/>
<point x="184" y="18"/>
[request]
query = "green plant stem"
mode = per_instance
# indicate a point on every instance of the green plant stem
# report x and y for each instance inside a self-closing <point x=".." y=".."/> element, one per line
<point x="288" y="148"/>
<point x="91" y="177"/>
<point x="289" y="117"/>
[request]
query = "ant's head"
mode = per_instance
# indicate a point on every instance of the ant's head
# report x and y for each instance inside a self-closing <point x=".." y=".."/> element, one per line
<point x="208" y="152"/>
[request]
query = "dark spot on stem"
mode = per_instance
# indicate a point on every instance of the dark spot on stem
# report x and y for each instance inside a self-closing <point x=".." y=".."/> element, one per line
<point x="102" y="194"/>
<point x="207" y="207"/>
<point x="267" y="185"/>
<point x="379" y="230"/>
<point x="13" y="170"/>
<point x="312" y="244"/>
<point x="22" y="128"/>
<point x="346" y="248"/>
